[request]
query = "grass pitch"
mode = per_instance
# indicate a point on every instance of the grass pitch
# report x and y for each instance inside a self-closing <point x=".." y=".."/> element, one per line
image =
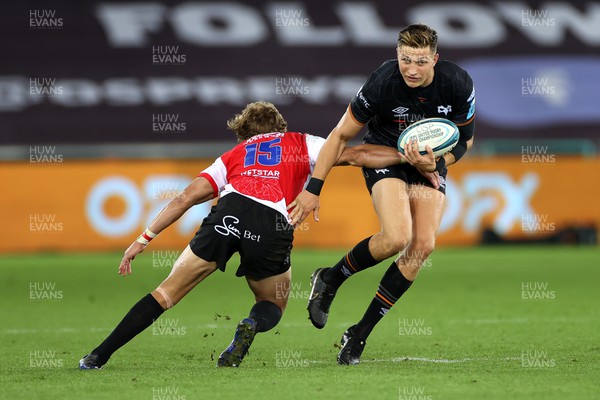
<point x="492" y="323"/>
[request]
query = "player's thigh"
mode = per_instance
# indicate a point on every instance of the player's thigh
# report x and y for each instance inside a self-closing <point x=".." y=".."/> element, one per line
<point x="391" y="203"/>
<point x="275" y="289"/>
<point x="427" y="207"/>
<point x="188" y="270"/>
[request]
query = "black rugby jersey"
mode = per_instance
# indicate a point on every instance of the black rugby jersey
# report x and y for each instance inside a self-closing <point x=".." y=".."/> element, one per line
<point x="387" y="105"/>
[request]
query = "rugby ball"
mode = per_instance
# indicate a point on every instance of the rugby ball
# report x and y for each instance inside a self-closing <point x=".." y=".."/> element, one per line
<point x="439" y="133"/>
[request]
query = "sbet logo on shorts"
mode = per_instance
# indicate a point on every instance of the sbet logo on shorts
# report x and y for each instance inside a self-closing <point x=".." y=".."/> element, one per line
<point x="229" y="228"/>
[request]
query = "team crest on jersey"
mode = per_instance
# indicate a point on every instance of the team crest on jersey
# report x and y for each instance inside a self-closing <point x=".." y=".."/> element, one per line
<point x="444" y="109"/>
<point x="400" y="111"/>
<point x="442" y="181"/>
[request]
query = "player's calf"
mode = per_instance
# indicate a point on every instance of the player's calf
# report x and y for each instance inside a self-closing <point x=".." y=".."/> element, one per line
<point x="139" y="317"/>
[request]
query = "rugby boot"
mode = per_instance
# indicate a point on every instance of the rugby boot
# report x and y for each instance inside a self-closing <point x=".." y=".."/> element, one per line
<point x="233" y="355"/>
<point x="321" y="297"/>
<point x="352" y="347"/>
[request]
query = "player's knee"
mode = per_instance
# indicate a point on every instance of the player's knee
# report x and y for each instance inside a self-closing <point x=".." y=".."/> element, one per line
<point x="423" y="247"/>
<point x="195" y="269"/>
<point x="395" y="244"/>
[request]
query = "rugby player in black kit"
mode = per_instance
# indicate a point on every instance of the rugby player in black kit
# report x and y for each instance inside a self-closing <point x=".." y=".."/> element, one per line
<point x="415" y="86"/>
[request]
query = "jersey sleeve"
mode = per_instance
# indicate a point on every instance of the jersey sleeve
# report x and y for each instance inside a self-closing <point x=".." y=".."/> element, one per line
<point x="216" y="175"/>
<point x="465" y="101"/>
<point x="363" y="105"/>
<point x="313" y="146"/>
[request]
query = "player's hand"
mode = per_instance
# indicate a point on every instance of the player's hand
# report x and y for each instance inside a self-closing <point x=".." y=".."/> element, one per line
<point x="433" y="177"/>
<point x="424" y="163"/>
<point x="302" y="206"/>
<point x="132" y="251"/>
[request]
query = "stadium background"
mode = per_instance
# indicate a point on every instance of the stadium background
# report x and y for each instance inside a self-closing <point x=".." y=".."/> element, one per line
<point x="99" y="128"/>
<point x="109" y="109"/>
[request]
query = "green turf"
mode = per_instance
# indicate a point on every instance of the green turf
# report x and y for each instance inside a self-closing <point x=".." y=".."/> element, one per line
<point x="466" y="307"/>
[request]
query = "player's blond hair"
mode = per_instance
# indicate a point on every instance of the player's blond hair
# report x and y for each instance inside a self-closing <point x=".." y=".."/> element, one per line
<point x="256" y="118"/>
<point x="418" y="36"/>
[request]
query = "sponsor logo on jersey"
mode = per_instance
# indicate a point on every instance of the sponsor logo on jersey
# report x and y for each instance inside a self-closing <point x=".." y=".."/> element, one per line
<point x="265" y="135"/>
<point x="382" y="171"/>
<point x="444" y="109"/>
<point x="263" y="173"/>
<point x="471" y="110"/>
<point x="472" y="96"/>
<point x="363" y="99"/>
<point x="399" y="111"/>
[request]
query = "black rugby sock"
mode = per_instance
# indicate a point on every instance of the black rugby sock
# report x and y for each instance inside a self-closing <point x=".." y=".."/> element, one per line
<point x="358" y="259"/>
<point x="141" y="316"/>
<point x="266" y="315"/>
<point x="391" y="288"/>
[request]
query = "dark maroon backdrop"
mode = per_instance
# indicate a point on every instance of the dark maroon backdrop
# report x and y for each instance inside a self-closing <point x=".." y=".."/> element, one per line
<point x="115" y="80"/>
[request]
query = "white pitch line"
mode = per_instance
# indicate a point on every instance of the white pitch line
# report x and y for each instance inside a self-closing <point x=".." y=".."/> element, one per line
<point x="402" y="359"/>
<point x="36" y="331"/>
<point x="422" y="359"/>
<point x="490" y="321"/>
<point x="431" y="360"/>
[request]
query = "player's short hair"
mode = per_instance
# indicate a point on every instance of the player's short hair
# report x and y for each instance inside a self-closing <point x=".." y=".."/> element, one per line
<point x="256" y="118"/>
<point x="418" y="36"/>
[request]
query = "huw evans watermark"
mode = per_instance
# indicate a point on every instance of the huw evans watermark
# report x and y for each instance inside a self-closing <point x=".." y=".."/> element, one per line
<point x="537" y="291"/>
<point x="39" y="291"/>
<point x="44" y="19"/>
<point x="168" y="56"/>
<point x="414" y="327"/>
<point x="44" y="359"/>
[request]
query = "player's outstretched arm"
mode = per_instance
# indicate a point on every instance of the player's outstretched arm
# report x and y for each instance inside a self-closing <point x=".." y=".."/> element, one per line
<point x="378" y="156"/>
<point x="308" y="200"/>
<point x="370" y="156"/>
<point x="199" y="191"/>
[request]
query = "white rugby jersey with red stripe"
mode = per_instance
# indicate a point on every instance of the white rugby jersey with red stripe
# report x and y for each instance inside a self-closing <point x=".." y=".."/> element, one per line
<point x="271" y="168"/>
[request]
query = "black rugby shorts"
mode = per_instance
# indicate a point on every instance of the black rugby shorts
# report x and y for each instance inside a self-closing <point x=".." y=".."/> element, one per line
<point x="405" y="172"/>
<point x="260" y="234"/>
